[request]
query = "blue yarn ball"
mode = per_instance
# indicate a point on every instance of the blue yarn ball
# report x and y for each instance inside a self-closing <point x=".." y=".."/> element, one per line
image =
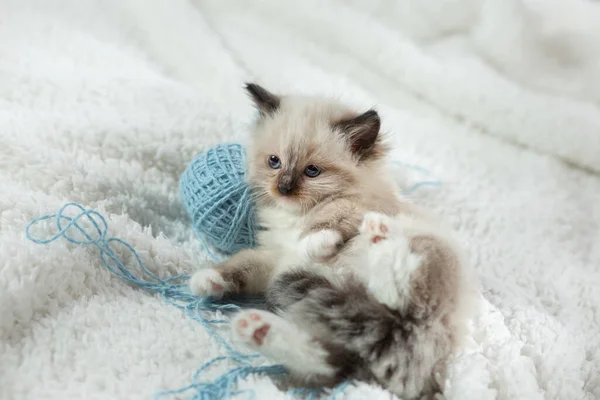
<point x="218" y="200"/>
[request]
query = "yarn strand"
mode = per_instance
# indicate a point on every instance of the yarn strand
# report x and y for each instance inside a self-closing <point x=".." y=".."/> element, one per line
<point x="173" y="290"/>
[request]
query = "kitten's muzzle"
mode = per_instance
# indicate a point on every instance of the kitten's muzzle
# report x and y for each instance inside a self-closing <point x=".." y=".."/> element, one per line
<point x="287" y="182"/>
<point x="284" y="189"/>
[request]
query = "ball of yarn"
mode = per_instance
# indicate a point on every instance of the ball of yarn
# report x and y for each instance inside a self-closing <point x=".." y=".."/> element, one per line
<point x="218" y="200"/>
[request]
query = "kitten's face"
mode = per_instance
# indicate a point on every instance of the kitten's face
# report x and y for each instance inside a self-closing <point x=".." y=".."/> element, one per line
<point x="305" y="150"/>
<point x="298" y="168"/>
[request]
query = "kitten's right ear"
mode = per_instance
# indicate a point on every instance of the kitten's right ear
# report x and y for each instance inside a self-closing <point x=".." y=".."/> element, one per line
<point x="266" y="102"/>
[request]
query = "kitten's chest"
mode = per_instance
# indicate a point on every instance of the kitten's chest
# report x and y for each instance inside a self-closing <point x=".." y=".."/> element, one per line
<point x="282" y="232"/>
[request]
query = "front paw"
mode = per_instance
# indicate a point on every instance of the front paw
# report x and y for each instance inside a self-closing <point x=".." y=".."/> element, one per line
<point x="209" y="282"/>
<point x="320" y="246"/>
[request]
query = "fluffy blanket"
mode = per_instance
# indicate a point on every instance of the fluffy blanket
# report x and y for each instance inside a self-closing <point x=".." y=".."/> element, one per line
<point x="105" y="103"/>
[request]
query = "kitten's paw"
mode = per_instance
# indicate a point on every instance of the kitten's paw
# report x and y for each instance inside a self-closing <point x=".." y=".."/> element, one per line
<point x="252" y="327"/>
<point x="320" y="246"/>
<point x="281" y="341"/>
<point x="376" y="226"/>
<point x="208" y="282"/>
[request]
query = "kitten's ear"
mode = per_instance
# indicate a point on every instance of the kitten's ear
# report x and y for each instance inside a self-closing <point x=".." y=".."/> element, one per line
<point x="362" y="132"/>
<point x="266" y="102"/>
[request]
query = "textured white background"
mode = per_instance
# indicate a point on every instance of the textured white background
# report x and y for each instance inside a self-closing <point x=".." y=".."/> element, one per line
<point x="105" y="103"/>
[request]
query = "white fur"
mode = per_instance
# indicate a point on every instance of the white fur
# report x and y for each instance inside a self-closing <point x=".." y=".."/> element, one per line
<point x="106" y="102"/>
<point x="208" y="282"/>
<point x="390" y="263"/>
<point x="319" y="246"/>
<point x="282" y="235"/>
<point x="284" y="343"/>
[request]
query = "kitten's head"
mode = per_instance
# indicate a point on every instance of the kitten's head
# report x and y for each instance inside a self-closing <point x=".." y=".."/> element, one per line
<point x="305" y="150"/>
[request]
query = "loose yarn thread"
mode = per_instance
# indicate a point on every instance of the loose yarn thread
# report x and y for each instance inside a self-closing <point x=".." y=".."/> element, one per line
<point x="417" y="185"/>
<point x="173" y="290"/>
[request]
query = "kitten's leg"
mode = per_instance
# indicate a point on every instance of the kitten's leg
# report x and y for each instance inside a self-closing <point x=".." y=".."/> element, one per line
<point x="292" y="286"/>
<point x="329" y="228"/>
<point x="390" y="261"/>
<point x="307" y="359"/>
<point x="247" y="271"/>
<point x="390" y="347"/>
<point x="426" y="285"/>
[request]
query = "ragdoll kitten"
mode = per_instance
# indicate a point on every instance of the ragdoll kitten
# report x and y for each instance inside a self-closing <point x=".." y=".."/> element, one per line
<point x="380" y="300"/>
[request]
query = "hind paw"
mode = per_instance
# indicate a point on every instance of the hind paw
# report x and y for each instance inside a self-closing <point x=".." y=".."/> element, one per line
<point x="376" y="226"/>
<point x="252" y="327"/>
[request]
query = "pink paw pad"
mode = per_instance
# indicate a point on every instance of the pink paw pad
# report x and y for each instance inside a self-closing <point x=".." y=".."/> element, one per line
<point x="260" y="333"/>
<point x="253" y="329"/>
<point x="375" y="226"/>
<point x="383" y="228"/>
<point x="376" y="239"/>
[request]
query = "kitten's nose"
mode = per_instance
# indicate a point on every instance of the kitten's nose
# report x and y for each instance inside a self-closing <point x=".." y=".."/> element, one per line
<point x="284" y="189"/>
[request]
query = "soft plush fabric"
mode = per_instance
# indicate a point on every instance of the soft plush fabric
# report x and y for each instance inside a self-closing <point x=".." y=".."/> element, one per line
<point x="106" y="102"/>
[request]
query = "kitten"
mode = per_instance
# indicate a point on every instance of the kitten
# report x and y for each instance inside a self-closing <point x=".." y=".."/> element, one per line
<point x="380" y="299"/>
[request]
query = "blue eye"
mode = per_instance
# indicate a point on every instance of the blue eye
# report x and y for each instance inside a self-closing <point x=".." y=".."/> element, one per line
<point x="312" y="170"/>
<point x="274" y="162"/>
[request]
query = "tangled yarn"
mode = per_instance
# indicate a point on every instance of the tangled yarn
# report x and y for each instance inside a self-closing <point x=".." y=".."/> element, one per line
<point x="88" y="227"/>
<point x="218" y="200"/>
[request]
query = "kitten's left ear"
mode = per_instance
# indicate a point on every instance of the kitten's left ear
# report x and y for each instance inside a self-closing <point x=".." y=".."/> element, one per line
<point x="266" y="102"/>
<point x="362" y="132"/>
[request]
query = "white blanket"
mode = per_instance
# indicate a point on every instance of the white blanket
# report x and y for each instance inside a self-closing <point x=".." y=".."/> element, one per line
<point x="105" y="102"/>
